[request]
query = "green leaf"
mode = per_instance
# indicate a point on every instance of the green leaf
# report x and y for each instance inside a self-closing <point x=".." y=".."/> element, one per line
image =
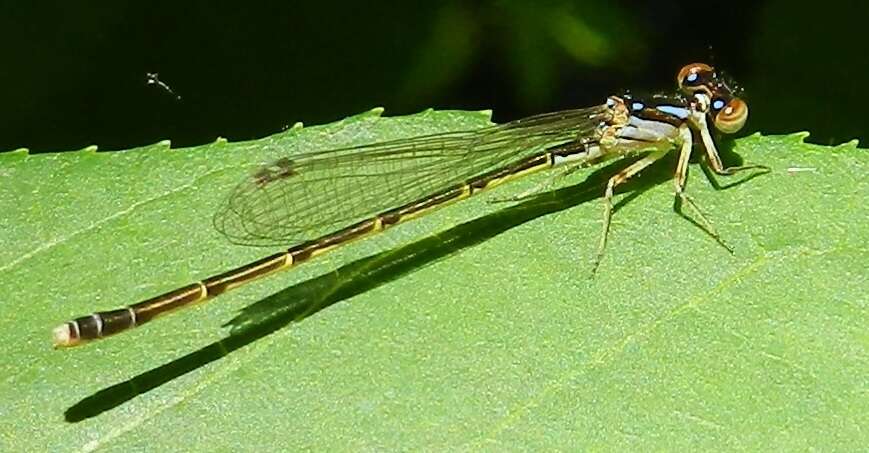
<point x="476" y="327"/>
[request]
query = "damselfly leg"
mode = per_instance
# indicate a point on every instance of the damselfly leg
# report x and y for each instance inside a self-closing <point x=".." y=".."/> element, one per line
<point x="620" y="178"/>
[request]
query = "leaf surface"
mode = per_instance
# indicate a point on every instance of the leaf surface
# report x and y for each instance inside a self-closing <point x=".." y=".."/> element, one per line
<point x="476" y="327"/>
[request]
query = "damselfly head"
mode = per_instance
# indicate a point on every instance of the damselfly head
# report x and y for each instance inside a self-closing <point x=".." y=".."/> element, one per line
<point x="728" y="112"/>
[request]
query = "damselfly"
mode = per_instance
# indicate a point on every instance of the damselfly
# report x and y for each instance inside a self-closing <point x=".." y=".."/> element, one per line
<point x="321" y="200"/>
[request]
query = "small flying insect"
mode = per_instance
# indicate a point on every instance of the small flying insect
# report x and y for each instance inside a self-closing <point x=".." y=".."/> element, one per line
<point x="153" y="78"/>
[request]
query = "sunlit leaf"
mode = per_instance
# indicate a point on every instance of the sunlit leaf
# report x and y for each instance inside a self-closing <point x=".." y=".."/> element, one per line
<point x="477" y="327"/>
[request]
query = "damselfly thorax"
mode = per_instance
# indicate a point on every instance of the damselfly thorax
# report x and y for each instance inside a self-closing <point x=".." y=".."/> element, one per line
<point x="314" y="202"/>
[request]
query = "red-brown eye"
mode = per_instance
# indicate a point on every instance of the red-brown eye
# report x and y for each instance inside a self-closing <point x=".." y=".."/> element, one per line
<point x="694" y="77"/>
<point x="731" y="118"/>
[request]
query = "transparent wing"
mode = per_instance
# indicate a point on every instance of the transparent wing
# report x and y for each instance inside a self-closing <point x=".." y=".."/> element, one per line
<point x="307" y="195"/>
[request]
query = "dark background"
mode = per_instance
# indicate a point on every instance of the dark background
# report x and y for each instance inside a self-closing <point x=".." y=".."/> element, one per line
<point x="73" y="74"/>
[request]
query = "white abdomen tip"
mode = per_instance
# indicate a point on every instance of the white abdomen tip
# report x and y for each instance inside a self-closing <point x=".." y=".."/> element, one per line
<point x="63" y="336"/>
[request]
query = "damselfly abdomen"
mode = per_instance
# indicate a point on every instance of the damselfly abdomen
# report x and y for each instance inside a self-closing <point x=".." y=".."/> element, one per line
<point x="322" y="200"/>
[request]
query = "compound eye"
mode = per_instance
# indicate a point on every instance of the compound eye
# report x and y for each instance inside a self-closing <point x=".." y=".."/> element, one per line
<point x="731" y="118"/>
<point x="694" y="76"/>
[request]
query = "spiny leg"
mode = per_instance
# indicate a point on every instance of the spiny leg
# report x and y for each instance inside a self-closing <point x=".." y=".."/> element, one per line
<point x="614" y="181"/>
<point x="715" y="158"/>
<point x="565" y="170"/>
<point x="679" y="180"/>
<point x="538" y="188"/>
